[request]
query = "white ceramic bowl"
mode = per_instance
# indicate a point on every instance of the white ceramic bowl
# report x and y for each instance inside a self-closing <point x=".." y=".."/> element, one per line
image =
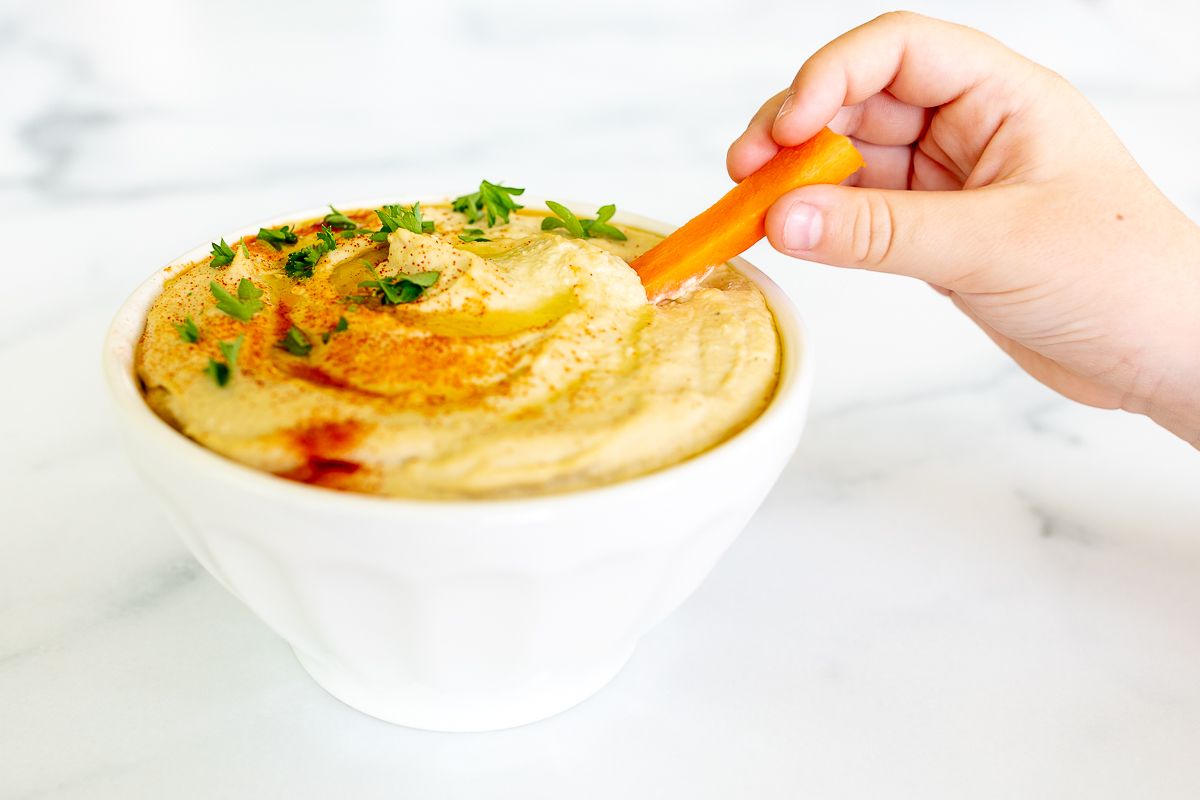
<point x="467" y="615"/>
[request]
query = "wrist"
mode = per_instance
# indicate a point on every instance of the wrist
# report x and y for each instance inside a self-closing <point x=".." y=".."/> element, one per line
<point x="1175" y="402"/>
<point x="1178" y="410"/>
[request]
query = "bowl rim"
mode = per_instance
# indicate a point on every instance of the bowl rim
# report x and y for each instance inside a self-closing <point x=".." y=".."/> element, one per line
<point x="125" y="330"/>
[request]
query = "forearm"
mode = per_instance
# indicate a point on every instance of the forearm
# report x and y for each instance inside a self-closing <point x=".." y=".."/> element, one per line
<point x="1179" y="412"/>
<point x="1176" y="403"/>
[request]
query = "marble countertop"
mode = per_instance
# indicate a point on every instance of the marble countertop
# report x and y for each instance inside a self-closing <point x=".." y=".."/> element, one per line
<point x="963" y="585"/>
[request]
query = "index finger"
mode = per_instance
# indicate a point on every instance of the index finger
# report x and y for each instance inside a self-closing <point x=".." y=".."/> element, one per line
<point x="920" y="61"/>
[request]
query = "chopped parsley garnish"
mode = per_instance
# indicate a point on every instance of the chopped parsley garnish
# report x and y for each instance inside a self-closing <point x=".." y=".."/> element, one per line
<point x="600" y="227"/>
<point x="423" y="279"/>
<point x="583" y="228"/>
<point x="244" y="306"/>
<point x="395" y="217"/>
<point x="473" y="235"/>
<point x="342" y="325"/>
<point x="218" y="371"/>
<point x="295" y="342"/>
<point x="222" y="254"/>
<point x="277" y="237"/>
<point x="338" y="221"/>
<point x="403" y="288"/>
<point x="301" y="263"/>
<point x="222" y="371"/>
<point x="492" y="201"/>
<point x="188" y="330"/>
<point x="326" y="239"/>
<point x="346" y="227"/>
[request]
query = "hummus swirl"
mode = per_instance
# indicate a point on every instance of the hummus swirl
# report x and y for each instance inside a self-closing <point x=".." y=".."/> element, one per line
<point x="532" y="365"/>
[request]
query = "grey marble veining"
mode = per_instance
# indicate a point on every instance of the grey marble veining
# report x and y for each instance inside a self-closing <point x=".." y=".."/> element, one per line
<point x="963" y="585"/>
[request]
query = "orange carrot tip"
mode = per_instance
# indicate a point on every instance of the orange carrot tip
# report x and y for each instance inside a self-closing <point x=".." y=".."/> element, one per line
<point x="737" y="220"/>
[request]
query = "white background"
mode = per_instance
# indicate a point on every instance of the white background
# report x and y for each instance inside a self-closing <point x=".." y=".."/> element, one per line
<point x="963" y="586"/>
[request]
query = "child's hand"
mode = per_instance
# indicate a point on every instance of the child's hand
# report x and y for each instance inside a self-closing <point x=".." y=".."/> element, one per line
<point x="1050" y="237"/>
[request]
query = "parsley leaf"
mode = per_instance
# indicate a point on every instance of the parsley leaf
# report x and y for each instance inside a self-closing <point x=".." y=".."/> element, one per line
<point x="222" y="254"/>
<point x="244" y="306"/>
<point x="338" y="221"/>
<point x="188" y="330"/>
<point x="342" y="325"/>
<point x="295" y="342"/>
<point x="326" y="239"/>
<point x="301" y="263"/>
<point x="492" y="201"/>
<point x="473" y="235"/>
<point x="220" y="371"/>
<point x="599" y="226"/>
<point x="277" y="237"/>
<point x="395" y="217"/>
<point x="566" y="219"/>
<point x="422" y="279"/>
<point x="583" y="228"/>
<point x="231" y="349"/>
<point x="403" y="288"/>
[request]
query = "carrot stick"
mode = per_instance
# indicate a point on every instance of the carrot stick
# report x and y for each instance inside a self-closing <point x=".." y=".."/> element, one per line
<point x="737" y="220"/>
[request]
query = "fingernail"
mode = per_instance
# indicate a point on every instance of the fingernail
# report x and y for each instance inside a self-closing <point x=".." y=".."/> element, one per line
<point x="786" y="105"/>
<point x="802" y="227"/>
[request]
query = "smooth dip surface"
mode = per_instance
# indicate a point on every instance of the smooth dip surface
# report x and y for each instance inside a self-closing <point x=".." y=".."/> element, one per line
<point x="529" y="364"/>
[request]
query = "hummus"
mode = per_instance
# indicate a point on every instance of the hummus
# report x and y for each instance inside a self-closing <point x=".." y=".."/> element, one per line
<point x="531" y="364"/>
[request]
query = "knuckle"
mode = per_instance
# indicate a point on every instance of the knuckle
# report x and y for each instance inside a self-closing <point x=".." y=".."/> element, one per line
<point x="900" y="17"/>
<point x="874" y="230"/>
<point x="1055" y="82"/>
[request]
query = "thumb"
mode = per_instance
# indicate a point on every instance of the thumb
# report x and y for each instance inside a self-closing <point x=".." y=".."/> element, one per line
<point x="947" y="238"/>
